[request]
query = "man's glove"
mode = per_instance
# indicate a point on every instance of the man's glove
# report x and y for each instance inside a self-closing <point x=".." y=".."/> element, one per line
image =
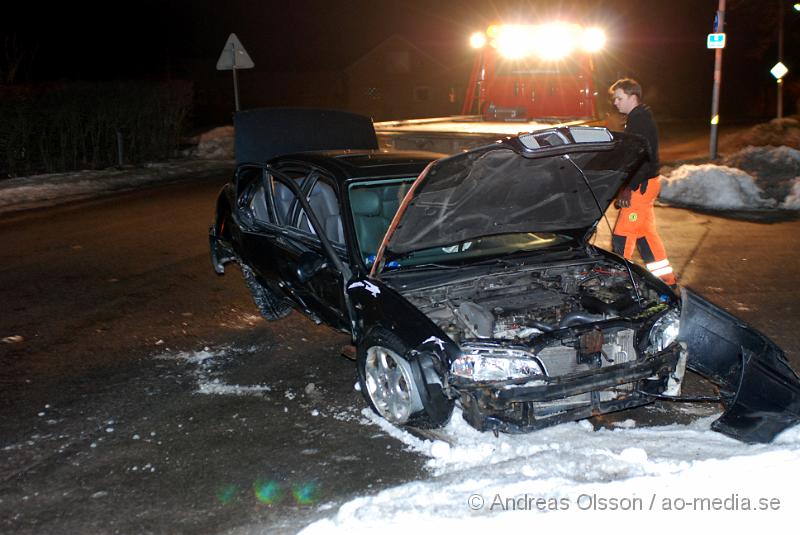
<point x="624" y="198"/>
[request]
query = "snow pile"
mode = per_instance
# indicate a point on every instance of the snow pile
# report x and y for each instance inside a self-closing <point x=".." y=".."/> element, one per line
<point x="792" y="201"/>
<point x="713" y="186"/>
<point x="754" y="178"/>
<point x="570" y="475"/>
<point x="216" y="144"/>
<point x="773" y="168"/>
<point x="784" y="131"/>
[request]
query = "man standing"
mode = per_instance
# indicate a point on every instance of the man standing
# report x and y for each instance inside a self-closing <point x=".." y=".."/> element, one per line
<point x="636" y="224"/>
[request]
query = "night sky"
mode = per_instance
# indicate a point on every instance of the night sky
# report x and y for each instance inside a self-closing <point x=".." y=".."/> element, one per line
<point x="662" y="43"/>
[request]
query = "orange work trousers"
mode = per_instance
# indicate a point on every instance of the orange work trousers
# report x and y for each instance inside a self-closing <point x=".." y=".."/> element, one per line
<point x="636" y="227"/>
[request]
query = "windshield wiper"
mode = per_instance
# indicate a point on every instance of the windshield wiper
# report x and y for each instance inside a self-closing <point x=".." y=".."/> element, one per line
<point x="539" y="254"/>
<point x="421" y="267"/>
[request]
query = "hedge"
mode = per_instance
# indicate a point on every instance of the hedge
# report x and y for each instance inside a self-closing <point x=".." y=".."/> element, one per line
<point x="74" y="125"/>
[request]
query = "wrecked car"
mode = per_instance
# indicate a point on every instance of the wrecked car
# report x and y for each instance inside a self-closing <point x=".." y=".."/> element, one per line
<point x="472" y="279"/>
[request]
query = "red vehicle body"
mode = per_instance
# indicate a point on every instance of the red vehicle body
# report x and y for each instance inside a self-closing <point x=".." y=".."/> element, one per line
<point x="531" y="75"/>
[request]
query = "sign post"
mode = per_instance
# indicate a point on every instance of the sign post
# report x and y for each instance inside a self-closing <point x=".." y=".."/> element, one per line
<point x="234" y="57"/>
<point x="717" y="42"/>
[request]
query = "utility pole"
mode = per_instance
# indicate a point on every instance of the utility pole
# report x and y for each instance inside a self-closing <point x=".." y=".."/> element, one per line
<point x="720" y="27"/>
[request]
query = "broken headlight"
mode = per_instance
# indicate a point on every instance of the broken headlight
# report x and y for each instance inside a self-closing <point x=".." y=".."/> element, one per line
<point x="480" y="362"/>
<point x="665" y="330"/>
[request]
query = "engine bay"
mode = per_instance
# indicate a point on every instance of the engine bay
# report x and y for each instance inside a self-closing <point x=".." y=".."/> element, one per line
<point x="520" y="305"/>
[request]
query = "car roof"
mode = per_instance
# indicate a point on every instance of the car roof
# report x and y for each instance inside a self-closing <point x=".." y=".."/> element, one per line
<point x="349" y="164"/>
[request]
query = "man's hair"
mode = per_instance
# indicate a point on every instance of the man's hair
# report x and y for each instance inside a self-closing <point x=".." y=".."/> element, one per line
<point x="629" y="86"/>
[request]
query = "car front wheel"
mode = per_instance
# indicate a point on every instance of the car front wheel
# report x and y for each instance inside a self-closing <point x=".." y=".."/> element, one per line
<point x="395" y="387"/>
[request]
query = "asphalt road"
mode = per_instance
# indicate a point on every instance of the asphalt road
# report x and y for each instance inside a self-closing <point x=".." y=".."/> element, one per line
<point x="104" y="429"/>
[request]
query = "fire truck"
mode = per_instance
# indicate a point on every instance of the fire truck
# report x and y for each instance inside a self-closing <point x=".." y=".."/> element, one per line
<point x="543" y="71"/>
<point x="525" y="77"/>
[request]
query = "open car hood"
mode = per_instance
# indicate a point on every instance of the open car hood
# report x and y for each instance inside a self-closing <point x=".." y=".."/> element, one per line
<point x="557" y="180"/>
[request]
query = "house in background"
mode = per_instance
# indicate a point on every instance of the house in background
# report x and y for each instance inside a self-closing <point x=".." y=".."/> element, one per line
<point x="398" y="80"/>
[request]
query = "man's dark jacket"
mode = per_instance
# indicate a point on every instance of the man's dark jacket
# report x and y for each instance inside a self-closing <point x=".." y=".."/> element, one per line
<point x="640" y="121"/>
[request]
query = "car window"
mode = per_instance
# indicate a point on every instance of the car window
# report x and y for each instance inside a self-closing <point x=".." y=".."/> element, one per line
<point x="373" y="205"/>
<point x="325" y="204"/>
<point x="285" y="202"/>
<point x="257" y="199"/>
<point x="251" y="192"/>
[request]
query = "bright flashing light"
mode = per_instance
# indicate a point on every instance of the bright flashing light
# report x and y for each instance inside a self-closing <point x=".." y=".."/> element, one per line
<point x="477" y="40"/>
<point x="593" y="40"/>
<point x="552" y="41"/>
<point x="555" y="41"/>
<point x="514" y="42"/>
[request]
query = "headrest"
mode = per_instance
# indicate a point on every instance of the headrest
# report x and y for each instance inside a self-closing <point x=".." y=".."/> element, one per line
<point x="365" y="202"/>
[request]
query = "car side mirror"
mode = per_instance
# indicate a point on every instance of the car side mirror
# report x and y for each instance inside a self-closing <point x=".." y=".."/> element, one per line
<point x="309" y="264"/>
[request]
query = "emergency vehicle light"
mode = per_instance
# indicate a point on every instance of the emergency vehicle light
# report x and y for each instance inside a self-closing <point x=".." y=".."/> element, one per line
<point x="477" y="40"/>
<point x="552" y="41"/>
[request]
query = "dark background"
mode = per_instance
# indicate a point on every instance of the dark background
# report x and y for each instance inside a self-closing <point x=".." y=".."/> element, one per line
<point x="662" y="43"/>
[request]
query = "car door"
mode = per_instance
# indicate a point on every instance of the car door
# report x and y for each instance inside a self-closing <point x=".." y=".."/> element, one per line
<point x="284" y="243"/>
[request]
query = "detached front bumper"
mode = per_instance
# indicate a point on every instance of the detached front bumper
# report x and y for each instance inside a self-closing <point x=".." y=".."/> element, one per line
<point x="519" y="406"/>
<point x="761" y="392"/>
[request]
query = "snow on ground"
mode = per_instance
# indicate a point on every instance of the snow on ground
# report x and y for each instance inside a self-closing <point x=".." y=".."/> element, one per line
<point x="572" y="476"/>
<point x="672" y="478"/>
<point x="207" y="370"/>
<point x="57" y="188"/>
<point x="216" y="144"/>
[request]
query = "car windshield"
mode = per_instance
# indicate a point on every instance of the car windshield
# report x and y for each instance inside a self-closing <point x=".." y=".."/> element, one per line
<point x="374" y="204"/>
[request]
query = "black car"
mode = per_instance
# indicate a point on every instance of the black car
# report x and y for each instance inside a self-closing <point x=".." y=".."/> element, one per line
<point x="471" y="279"/>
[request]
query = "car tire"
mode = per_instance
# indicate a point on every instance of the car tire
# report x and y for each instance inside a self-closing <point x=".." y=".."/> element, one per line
<point x="270" y="303"/>
<point x="399" y="390"/>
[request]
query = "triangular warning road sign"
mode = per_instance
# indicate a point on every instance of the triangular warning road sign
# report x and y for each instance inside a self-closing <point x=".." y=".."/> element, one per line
<point x="234" y="56"/>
